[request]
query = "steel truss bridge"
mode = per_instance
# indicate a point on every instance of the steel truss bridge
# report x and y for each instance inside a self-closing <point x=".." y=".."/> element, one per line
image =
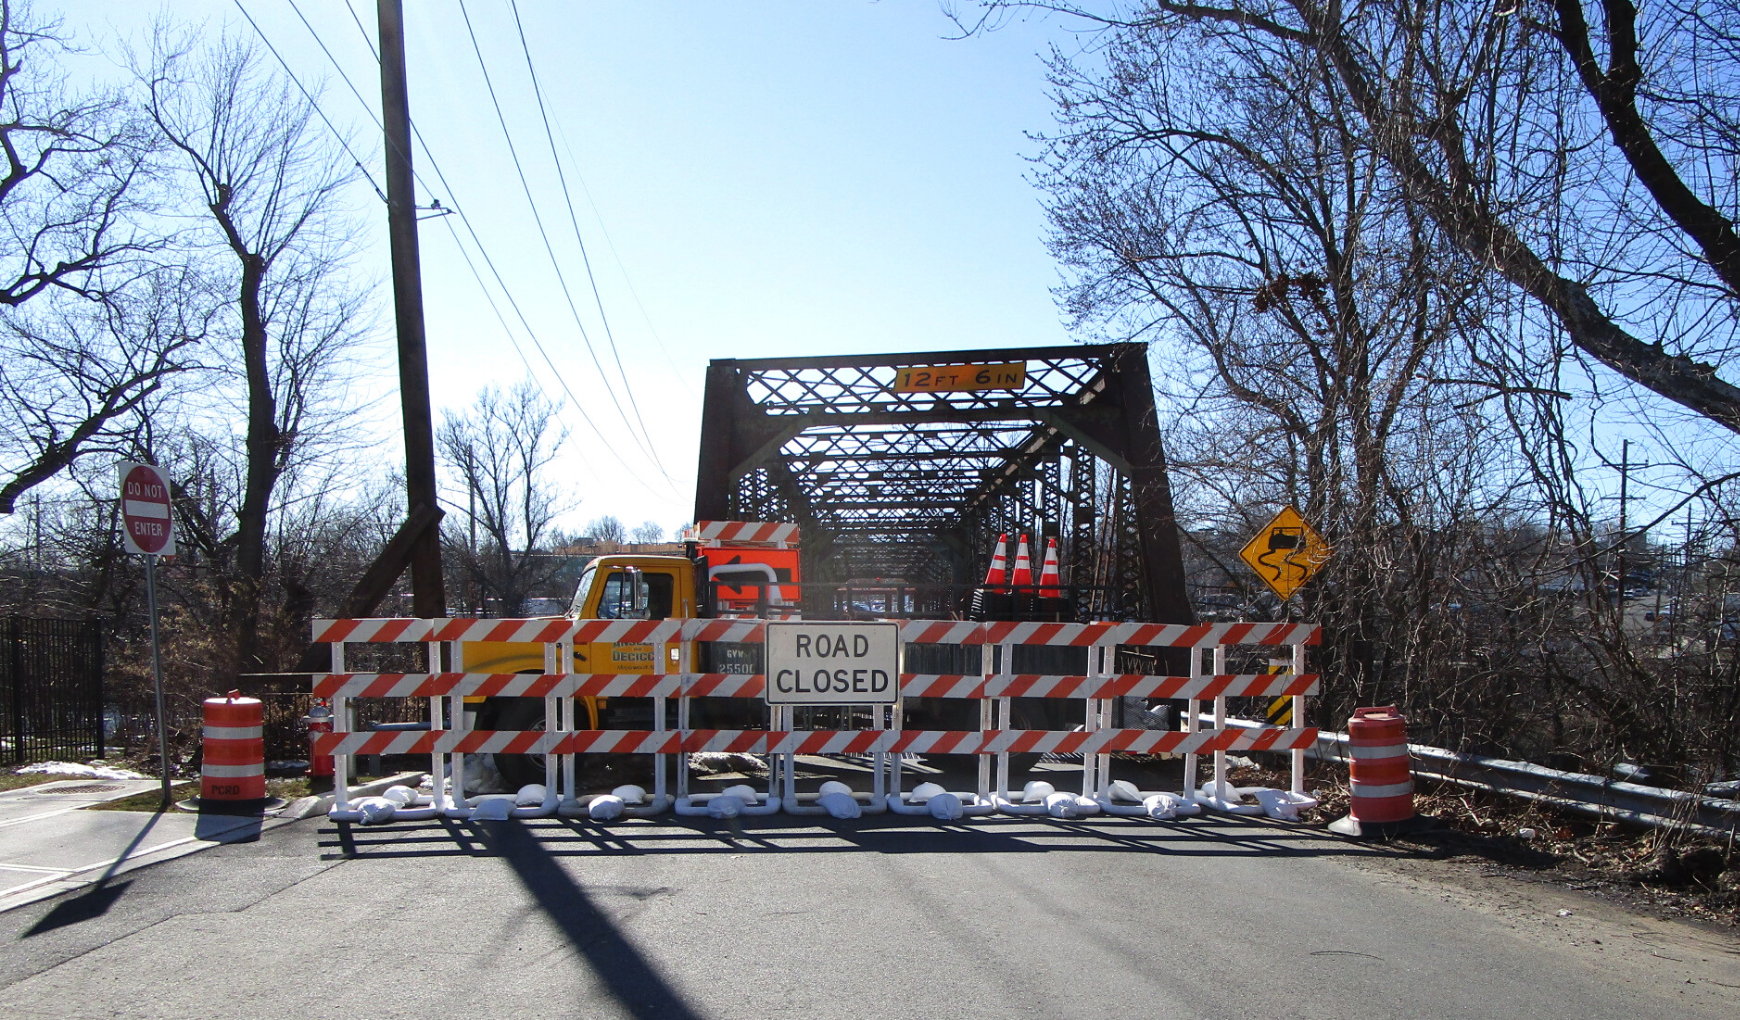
<point x="916" y="486"/>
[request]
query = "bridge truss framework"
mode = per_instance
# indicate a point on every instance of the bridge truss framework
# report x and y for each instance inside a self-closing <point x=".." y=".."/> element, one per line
<point x="917" y="486"/>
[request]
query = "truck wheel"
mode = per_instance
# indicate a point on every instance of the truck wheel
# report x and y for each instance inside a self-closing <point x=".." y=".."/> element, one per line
<point x="516" y="770"/>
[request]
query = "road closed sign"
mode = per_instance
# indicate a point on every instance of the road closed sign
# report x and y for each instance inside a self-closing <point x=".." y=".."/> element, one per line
<point x="833" y="663"/>
<point x="147" y="526"/>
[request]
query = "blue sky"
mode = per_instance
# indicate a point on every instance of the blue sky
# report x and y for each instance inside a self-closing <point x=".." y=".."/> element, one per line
<point x="750" y="180"/>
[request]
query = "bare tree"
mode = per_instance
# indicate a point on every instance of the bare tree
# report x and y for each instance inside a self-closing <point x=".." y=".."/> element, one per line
<point x="87" y="335"/>
<point x="1313" y="331"/>
<point x="500" y="449"/>
<point x="606" y="529"/>
<point x="649" y="532"/>
<point x="73" y="166"/>
<point x="78" y="376"/>
<point x="1553" y="195"/>
<point x="271" y="186"/>
<point x="1533" y="154"/>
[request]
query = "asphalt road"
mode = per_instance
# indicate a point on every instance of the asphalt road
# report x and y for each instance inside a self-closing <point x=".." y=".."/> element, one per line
<point x="876" y="918"/>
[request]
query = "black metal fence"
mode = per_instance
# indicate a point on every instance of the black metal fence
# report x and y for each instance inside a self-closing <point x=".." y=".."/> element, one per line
<point x="51" y="689"/>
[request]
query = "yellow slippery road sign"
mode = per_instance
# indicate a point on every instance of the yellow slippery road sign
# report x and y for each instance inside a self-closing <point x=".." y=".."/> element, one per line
<point x="1286" y="553"/>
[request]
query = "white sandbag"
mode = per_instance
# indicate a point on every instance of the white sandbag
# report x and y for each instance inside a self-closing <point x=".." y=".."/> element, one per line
<point x="835" y="786"/>
<point x="1282" y="804"/>
<point x="925" y="791"/>
<point x="743" y="792"/>
<point x="1062" y="805"/>
<point x="604" y="807"/>
<point x="944" y="806"/>
<point x="492" y="809"/>
<point x="630" y="794"/>
<point x="1124" y="790"/>
<point x="1036" y="791"/>
<point x="375" y="810"/>
<point x="403" y="796"/>
<point x="726" y="805"/>
<point x="1162" y="806"/>
<point x="840" y="805"/>
<point x="530" y="795"/>
<point x="481" y="775"/>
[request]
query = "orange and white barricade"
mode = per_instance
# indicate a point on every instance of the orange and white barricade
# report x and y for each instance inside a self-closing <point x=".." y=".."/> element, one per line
<point x="1100" y="688"/>
<point x="448" y="740"/>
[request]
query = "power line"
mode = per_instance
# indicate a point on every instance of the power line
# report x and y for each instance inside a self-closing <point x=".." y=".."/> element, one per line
<point x="311" y="101"/>
<point x="574" y="221"/>
<point x="609" y="242"/>
<point x="549" y="249"/>
<point x="483" y="252"/>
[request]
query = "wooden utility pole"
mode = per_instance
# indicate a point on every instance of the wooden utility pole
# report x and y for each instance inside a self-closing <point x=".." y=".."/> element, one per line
<point x="428" y="599"/>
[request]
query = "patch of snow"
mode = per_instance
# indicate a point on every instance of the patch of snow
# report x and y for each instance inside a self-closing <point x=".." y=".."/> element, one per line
<point x="77" y="771"/>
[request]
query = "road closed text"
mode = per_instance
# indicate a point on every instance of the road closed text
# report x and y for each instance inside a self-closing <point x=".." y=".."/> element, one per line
<point x="833" y="663"/>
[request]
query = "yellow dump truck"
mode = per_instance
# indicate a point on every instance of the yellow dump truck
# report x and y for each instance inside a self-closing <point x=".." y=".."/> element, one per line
<point x="719" y="576"/>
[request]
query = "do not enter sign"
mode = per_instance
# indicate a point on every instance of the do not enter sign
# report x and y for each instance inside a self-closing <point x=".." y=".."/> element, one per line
<point x="833" y="663"/>
<point x="146" y="524"/>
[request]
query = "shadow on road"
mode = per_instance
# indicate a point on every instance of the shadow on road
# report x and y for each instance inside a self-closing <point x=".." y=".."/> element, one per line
<point x="1211" y="836"/>
<point x="95" y="901"/>
<point x="635" y="984"/>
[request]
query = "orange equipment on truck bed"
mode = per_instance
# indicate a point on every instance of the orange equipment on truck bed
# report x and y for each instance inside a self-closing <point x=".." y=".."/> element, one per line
<point x="760" y="557"/>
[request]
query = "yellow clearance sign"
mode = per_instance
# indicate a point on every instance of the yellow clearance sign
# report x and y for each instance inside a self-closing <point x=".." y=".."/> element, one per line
<point x="1286" y="553"/>
<point x="941" y="379"/>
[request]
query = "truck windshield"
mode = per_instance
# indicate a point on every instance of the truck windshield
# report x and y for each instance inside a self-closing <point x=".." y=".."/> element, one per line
<point x="578" y="606"/>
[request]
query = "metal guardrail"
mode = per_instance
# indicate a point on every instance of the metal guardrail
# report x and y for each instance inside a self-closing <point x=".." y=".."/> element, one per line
<point x="1577" y="792"/>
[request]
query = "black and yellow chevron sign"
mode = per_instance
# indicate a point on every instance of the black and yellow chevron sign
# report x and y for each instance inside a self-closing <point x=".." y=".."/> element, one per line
<point x="1280" y="711"/>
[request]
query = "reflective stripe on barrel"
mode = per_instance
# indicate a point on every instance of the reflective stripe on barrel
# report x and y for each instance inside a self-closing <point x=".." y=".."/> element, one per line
<point x="233" y="754"/>
<point x="1382" y="783"/>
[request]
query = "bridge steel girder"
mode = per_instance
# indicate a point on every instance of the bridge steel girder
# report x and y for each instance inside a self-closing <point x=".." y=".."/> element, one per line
<point x="917" y="485"/>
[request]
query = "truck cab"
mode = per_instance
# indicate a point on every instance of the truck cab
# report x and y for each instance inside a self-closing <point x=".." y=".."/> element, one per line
<point x="740" y="579"/>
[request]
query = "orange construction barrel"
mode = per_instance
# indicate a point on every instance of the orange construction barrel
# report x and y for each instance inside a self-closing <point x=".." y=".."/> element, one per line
<point x="234" y="759"/>
<point x="1380" y="778"/>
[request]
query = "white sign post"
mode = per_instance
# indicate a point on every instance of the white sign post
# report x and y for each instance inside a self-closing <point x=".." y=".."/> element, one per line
<point x="833" y="663"/>
<point x="148" y="529"/>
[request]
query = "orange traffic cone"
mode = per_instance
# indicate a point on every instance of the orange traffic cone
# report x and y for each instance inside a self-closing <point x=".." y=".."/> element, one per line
<point x="998" y="575"/>
<point x="1023" y="567"/>
<point x="1050" y="584"/>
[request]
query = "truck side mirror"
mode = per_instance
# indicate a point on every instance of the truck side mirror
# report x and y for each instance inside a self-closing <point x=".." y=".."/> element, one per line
<point x="637" y="599"/>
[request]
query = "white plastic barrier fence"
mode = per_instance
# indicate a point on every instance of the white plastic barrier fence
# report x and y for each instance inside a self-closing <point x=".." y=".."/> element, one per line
<point x="885" y="743"/>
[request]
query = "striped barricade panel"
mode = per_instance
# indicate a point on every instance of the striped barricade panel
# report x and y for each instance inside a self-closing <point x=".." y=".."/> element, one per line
<point x="1081" y="634"/>
<point x="826" y="741"/>
<point x="942" y="632"/>
<point x="938" y="741"/>
<point x="384" y="685"/>
<point x="742" y="741"/>
<point x="1033" y="685"/>
<point x="1141" y="685"/>
<point x="438" y="742"/>
<point x="622" y="685"/>
<point x="1200" y="635"/>
<point x="1165" y="635"/>
<point x="942" y="685"/>
<point x="631" y="632"/>
<point x="1267" y="634"/>
<point x="724" y="685"/>
<point x="724" y="630"/>
<point x="1266" y="738"/>
<point x="372" y="631"/>
<point x="743" y="531"/>
<point x="512" y="685"/>
<point x="466" y="629"/>
<point x="619" y="742"/>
